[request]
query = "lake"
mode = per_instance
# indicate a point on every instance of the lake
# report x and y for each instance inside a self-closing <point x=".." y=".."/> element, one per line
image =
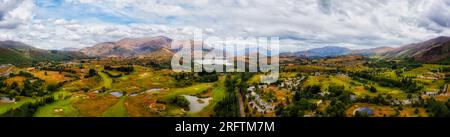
<point x="197" y="104"/>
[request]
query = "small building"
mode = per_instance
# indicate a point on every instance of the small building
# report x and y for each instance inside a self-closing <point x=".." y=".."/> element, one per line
<point x="7" y="100"/>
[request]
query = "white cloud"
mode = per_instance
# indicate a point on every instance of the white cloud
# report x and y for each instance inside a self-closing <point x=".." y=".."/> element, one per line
<point x="14" y="13"/>
<point x="301" y="24"/>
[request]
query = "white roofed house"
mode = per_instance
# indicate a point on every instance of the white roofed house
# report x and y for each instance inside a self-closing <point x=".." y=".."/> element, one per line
<point x="7" y="100"/>
<point x="432" y="94"/>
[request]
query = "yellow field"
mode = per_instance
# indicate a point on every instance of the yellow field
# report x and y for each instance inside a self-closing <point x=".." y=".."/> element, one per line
<point x="18" y="79"/>
<point x="52" y="77"/>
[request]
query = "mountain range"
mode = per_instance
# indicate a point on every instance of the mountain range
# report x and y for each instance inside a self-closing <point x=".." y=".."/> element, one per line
<point x="435" y="50"/>
<point x="128" y="47"/>
<point x="430" y="51"/>
<point x="158" y="48"/>
<point x="328" y="51"/>
<point x="373" y="51"/>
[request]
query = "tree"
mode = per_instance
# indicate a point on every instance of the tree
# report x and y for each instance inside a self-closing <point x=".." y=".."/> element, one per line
<point x="85" y="89"/>
<point x="103" y="89"/>
<point x="14" y="86"/>
<point x="180" y="101"/>
<point x="409" y="96"/>
<point x="52" y="87"/>
<point x="229" y="106"/>
<point x="92" y="72"/>
<point x="437" y="108"/>
<point x="389" y="97"/>
<point x="13" y="93"/>
<point x="373" y="89"/>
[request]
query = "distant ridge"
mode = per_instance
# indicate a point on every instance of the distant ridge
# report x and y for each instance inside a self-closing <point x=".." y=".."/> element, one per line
<point x="328" y="51"/>
<point x="18" y="53"/>
<point x="431" y="51"/>
<point x="128" y="47"/>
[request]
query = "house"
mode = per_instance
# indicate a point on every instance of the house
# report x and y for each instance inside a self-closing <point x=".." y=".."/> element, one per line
<point x="7" y="100"/>
<point x="324" y="93"/>
<point x="432" y="94"/>
<point x="353" y="97"/>
<point x="432" y="76"/>
<point x="251" y="88"/>
<point x="259" y="104"/>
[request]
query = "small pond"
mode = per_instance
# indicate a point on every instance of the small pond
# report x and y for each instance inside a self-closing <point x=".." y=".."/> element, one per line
<point x="365" y="110"/>
<point x="116" y="94"/>
<point x="133" y="95"/>
<point x="197" y="104"/>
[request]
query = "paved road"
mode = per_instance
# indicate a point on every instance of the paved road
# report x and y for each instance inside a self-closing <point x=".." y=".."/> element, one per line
<point x="7" y="72"/>
<point x="241" y="105"/>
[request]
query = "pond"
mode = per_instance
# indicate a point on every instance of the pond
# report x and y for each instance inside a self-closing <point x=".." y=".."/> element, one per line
<point x="197" y="104"/>
<point x="116" y="94"/>
<point x="133" y="95"/>
<point x="365" y="110"/>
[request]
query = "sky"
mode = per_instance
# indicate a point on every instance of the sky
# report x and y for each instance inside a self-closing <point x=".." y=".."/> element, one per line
<point x="300" y="24"/>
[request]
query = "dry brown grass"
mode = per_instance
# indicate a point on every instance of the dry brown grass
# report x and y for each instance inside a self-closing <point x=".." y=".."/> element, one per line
<point x="94" y="107"/>
<point x="137" y="107"/>
<point x="52" y="77"/>
<point x="18" y="79"/>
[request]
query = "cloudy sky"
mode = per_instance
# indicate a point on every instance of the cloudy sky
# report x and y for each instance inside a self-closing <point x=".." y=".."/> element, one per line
<point x="300" y="24"/>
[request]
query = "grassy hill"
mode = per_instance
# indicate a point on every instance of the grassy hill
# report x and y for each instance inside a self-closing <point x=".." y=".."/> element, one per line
<point x="10" y="56"/>
<point x="20" y="54"/>
<point x="435" y="50"/>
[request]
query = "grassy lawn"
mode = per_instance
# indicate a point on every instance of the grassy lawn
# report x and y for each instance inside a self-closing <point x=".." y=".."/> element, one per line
<point x="326" y="81"/>
<point x="5" y="107"/>
<point x="390" y="75"/>
<point x="53" y="109"/>
<point x="117" y="110"/>
<point x="114" y="73"/>
<point x="107" y="81"/>
<point x="430" y="85"/>
<point x="142" y="79"/>
<point x="191" y="90"/>
<point x="422" y="70"/>
<point x="357" y="88"/>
